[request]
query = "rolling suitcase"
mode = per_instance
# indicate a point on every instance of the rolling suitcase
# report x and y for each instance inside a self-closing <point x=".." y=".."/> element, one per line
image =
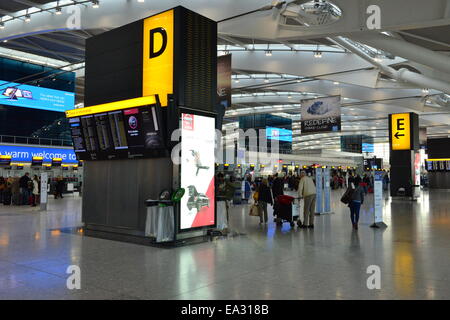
<point x="7" y="198"/>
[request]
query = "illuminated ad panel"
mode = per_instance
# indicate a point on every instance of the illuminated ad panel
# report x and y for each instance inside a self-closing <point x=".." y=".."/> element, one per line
<point x="20" y="95"/>
<point x="279" y="134"/>
<point x="197" y="171"/>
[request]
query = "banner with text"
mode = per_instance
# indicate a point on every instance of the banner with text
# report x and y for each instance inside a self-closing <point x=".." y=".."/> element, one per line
<point x="321" y="114"/>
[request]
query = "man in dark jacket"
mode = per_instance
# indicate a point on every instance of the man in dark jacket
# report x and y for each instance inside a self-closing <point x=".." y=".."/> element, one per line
<point x="264" y="198"/>
<point x="24" y="190"/>
<point x="278" y="186"/>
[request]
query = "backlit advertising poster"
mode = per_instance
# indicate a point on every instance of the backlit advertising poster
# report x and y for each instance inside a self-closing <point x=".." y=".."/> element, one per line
<point x="321" y="115"/>
<point x="21" y="95"/>
<point x="223" y="87"/>
<point x="197" y="171"/>
<point x="279" y="134"/>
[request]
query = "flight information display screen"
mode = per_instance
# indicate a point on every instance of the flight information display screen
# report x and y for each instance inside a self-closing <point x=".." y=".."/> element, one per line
<point x="127" y="133"/>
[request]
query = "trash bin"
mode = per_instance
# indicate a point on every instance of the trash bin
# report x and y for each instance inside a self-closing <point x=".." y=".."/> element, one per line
<point x="160" y="222"/>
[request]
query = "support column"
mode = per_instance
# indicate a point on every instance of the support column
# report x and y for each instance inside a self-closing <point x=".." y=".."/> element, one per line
<point x="404" y="145"/>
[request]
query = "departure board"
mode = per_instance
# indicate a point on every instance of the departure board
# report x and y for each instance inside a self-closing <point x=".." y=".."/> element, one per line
<point x="127" y="133"/>
<point x="77" y="135"/>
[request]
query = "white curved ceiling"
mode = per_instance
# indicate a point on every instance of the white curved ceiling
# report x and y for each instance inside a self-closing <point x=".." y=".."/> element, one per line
<point x="292" y="71"/>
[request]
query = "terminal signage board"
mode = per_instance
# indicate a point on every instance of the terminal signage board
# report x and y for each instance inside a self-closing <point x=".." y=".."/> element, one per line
<point x="400" y="124"/>
<point x="158" y="56"/>
<point x="26" y="154"/>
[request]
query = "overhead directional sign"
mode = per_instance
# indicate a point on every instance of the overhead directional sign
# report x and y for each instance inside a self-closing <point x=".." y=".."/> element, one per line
<point x="401" y="131"/>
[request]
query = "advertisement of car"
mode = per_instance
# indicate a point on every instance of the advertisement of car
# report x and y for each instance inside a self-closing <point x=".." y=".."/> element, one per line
<point x="197" y="171"/>
<point x="20" y="95"/>
<point x="321" y="115"/>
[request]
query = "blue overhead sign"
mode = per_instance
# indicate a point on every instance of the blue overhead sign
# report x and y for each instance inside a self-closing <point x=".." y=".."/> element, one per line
<point x="368" y="147"/>
<point x="21" y="95"/>
<point x="279" y="134"/>
<point x="26" y="154"/>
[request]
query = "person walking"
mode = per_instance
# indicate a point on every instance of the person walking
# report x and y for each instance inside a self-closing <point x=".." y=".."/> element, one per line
<point x="277" y="190"/>
<point x="307" y="191"/>
<point x="59" y="188"/>
<point x="2" y="188"/>
<point x="35" y="190"/>
<point x="356" y="200"/>
<point x="24" y="188"/>
<point x="264" y="198"/>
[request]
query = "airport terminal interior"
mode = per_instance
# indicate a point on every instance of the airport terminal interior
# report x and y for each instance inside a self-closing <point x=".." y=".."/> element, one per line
<point x="224" y="150"/>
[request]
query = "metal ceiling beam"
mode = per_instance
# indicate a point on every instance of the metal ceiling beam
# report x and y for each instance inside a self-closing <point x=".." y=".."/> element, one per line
<point x="29" y="3"/>
<point x="60" y="42"/>
<point x="406" y="50"/>
<point x="39" y="47"/>
<point x="409" y="34"/>
<point x="270" y="25"/>
<point x="25" y="46"/>
<point x="235" y="42"/>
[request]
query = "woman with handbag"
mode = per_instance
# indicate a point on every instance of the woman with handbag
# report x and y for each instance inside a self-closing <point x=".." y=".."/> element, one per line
<point x="354" y="197"/>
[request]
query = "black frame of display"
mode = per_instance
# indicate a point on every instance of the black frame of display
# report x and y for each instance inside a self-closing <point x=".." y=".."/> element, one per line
<point x="177" y="215"/>
<point x="124" y="154"/>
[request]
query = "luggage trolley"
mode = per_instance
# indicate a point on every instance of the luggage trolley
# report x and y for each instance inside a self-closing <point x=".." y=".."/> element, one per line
<point x="287" y="209"/>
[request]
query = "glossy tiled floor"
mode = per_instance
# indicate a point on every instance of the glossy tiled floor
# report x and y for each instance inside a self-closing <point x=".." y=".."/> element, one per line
<point x="329" y="262"/>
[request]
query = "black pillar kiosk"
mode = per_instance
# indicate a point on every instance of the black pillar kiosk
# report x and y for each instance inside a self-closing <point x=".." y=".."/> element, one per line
<point x="404" y="154"/>
<point x="143" y="81"/>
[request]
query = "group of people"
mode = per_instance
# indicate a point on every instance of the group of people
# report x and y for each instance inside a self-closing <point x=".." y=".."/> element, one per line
<point x="268" y="189"/>
<point x="26" y="190"/>
<point x="273" y="186"/>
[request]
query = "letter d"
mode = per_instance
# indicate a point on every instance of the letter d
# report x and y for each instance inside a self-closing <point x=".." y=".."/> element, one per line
<point x="163" y="34"/>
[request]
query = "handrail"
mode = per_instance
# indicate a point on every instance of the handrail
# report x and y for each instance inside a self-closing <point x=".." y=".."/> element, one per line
<point x="35" y="141"/>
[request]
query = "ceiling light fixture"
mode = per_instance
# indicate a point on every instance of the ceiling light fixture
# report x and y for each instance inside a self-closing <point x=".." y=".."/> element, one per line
<point x="27" y="18"/>
<point x="317" y="54"/>
<point x="141" y="1"/>
<point x="58" y="10"/>
<point x="95" y="4"/>
<point x="2" y="25"/>
<point x="336" y="82"/>
<point x="268" y="53"/>
<point x="266" y="80"/>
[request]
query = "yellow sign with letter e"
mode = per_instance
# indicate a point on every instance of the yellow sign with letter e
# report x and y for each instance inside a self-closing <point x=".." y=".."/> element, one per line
<point x="401" y="131"/>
